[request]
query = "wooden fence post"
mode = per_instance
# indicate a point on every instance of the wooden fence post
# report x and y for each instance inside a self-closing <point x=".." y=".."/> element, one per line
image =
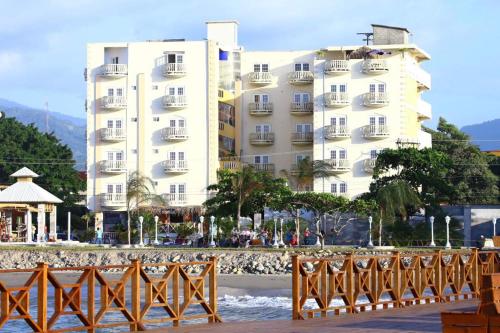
<point x="213" y="289"/>
<point x="438" y="275"/>
<point x="396" y="278"/>
<point x="136" y="295"/>
<point x="175" y="291"/>
<point x="42" y="295"/>
<point x="295" y="287"/>
<point x="323" y="280"/>
<point x="90" y="299"/>
<point x="349" y="278"/>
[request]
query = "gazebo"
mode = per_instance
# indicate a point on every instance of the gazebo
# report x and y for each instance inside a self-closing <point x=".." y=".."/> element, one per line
<point x="26" y="197"/>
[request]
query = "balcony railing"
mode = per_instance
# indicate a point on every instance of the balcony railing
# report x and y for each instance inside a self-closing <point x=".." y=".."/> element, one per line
<point x="375" y="99"/>
<point x="301" y="77"/>
<point x="260" y="78"/>
<point x="113" y="166"/>
<point x="333" y="132"/>
<point x="369" y="164"/>
<point x="263" y="167"/>
<point x="337" y="66"/>
<point x="260" y="109"/>
<point x="113" y="134"/>
<point x="175" y="199"/>
<point x="174" y="133"/>
<point x="262" y="139"/>
<point x="174" y="166"/>
<point x="302" y="109"/>
<point x="230" y="164"/>
<point x="375" y="131"/>
<point x="174" y="101"/>
<point x="113" y="200"/>
<point x="337" y="99"/>
<point x="338" y="165"/>
<point x="114" y="70"/>
<point x="174" y="70"/>
<point x="302" y="138"/>
<point x="375" y="66"/>
<point x="113" y="102"/>
<point x="424" y="110"/>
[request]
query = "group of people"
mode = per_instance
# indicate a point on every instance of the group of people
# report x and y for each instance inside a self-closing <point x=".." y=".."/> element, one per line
<point x="266" y="238"/>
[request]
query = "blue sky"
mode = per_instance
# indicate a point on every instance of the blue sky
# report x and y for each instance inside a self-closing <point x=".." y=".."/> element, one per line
<point x="43" y="42"/>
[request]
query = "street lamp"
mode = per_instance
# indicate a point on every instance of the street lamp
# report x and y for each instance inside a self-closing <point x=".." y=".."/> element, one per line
<point x="447" y="220"/>
<point x="494" y="226"/>
<point x="281" y="233"/>
<point x="141" y="219"/>
<point x="212" y="220"/>
<point x="156" y="230"/>
<point x="370" y="221"/>
<point x="431" y="220"/>
<point x="318" y="242"/>
<point x="275" y="244"/>
<point x="200" y="228"/>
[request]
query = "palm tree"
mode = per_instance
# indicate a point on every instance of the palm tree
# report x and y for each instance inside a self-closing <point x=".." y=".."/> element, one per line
<point x="140" y="191"/>
<point x="244" y="183"/>
<point x="394" y="198"/>
<point x="306" y="170"/>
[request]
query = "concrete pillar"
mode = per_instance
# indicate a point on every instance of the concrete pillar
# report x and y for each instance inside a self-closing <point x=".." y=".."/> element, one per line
<point x="40" y="237"/>
<point x="27" y="219"/>
<point x="467" y="225"/>
<point x="53" y="224"/>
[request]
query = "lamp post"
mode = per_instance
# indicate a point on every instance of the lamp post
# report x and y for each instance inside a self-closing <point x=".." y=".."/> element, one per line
<point x="141" y="220"/>
<point x="281" y="232"/>
<point x="447" y="220"/>
<point x="370" y="221"/>
<point x="431" y="220"/>
<point x="318" y="242"/>
<point x="69" y="226"/>
<point x="494" y="226"/>
<point x="156" y="230"/>
<point x="200" y="228"/>
<point x="212" y="220"/>
<point x="275" y="243"/>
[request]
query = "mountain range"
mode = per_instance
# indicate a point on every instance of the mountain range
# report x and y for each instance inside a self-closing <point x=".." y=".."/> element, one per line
<point x="486" y="135"/>
<point x="70" y="130"/>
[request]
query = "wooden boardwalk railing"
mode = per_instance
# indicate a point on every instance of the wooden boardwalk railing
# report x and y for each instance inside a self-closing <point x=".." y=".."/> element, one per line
<point x="87" y="303"/>
<point x="356" y="283"/>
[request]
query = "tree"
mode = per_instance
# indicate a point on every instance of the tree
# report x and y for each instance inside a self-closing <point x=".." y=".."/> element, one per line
<point x="307" y="170"/>
<point x="244" y="183"/>
<point x="22" y="145"/>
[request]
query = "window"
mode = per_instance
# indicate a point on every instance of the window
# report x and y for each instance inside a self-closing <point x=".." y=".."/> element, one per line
<point x="118" y="123"/>
<point x="172" y="123"/>
<point x="115" y="60"/>
<point x="155" y="87"/>
<point x="261" y="159"/>
<point x="175" y="58"/>
<point x="303" y="128"/>
<point x="119" y="92"/>
<point x="155" y="151"/>
<point x="301" y="98"/>
<point x="134" y="87"/>
<point x="299" y="158"/>
<point x="341" y="121"/>
<point x="263" y="128"/>
<point x="373" y="154"/>
<point x="302" y="67"/>
<point x="341" y="88"/>
<point x="114" y="188"/>
<point x="173" y="189"/>
<point x="179" y="156"/>
<point x="175" y="91"/>
<point x="172" y="155"/>
<point x="338" y="153"/>
<point x="333" y="188"/>
<point x="111" y="92"/>
<point x="260" y="68"/>
<point x="114" y="155"/>
<point x="377" y="87"/>
<point x="261" y="98"/>
<point x="338" y="188"/>
<point x="133" y="119"/>
<point x="343" y="187"/>
<point x="156" y="119"/>
<point x="380" y="120"/>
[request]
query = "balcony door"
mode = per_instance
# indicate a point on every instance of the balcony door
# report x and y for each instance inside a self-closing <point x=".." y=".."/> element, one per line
<point x="177" y="123"/>
<point x="114" y="188"/>
<point x="177" y="192"/>
<point x="261" y="68"/>
<point x="374" y="153"/>
<point x="338" y="154"/>
<point x="115" y="155"/>
<point x="115" y="60"/>
<point x="299" y="98"/>
<point x="377" y="121"/>
<point x="115" y="92"/>
<point x="114" y="124"/>
<point x="377" y="88"/>
<point x="301" y="67"/>
<point x="175" y="58"/>
<point x="261" y="159"/>
<point x="338" y="121"/>
<point x="303" y="128"/>
<point x="176" y="91"/>
<point x="263" y="128"/>
<point x="176" y="156"/>
<point x="261" y="98"/>
<point x="338" y="88"/>
<point x="338" y="188"/>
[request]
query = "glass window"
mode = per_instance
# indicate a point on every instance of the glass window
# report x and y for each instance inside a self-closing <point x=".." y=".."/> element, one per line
<point x="305" y="98"/>
<point x="265" y="159"/>
<point x="265" y="98"/>
<point x="333" y="88"/>
<point x="171" y="58"/>
<point x="115" y="60"/>
<point x="305" y="67"/>
<point x="182" y="188"/>
<point x="342" y="88"/>
<point x="381" y="87"/>
<point x="333" y="188"/>
<point x="172" y="188"/>
<point x="372" y="120"/>
<point x="296" y="98"/>
<point x="111" y="92"/>
<point x="256" y="68"/>
<point x="342" y="121"/>
<point x="298" y="67"/>
<point x="172" y="156"/>
<point x="110" y="124"/>
<point x="180" y="91"/>
<point x="179" y="58"/>
<point x="372" y="88"/>
<point x="119" y="188"/>
<point x="181" y="156"/>
<point x="109" y="188"/>
<point x="119" y="156"/>
<point x="333" y="154"/>
<point x="381" y="121"/>
<point x="119" y="92"/>
<point x="373" y="154"/>
<point x="182" y="123"/>
<point x="111" y="156"/>
<point x="171" y="91"/>
<point x="256" y="159"/>
<point x="333" y="121"/>
<point x="265" y="67"/>
<point x="172" y="122"/>
<point x="343" y="187"/>
<point x="342" y="154"/>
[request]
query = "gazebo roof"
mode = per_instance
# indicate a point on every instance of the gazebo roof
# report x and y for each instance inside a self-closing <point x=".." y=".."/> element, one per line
<point x="24" y="172"/>
<point x="25" y="191"/>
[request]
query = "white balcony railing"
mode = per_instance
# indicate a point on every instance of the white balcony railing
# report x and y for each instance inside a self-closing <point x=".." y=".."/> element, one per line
<point x="375" y="131"/>
<point x="174" y="166"/>
<point x="263" y="167"/>
<point x="424" y="110"/>
<point x="301" y="77"/>
<point x="300" y="109"/>
<point x="337" y="66"/>
<point x="260" y="109"/>
<point x="262" y="138"/>
<point x="260" y="78"/>
<point x="375" y="99"/>
<point x="113" y="166"/>
<point x="174" y="69"/>
<point x="302" y="138"/>
<point x="337" y="99"/>
<point x="113" y="200"/>
<point x="174" y="101"/>
<point x="113" y="134"/>
<point x="114" y="102"/>
<point x="375" y="66"/>
<point x="422" y="77"/>
<point x="369" y="164"/>
<point x="174" y="133"/>
<point x="336" y="132"/>
<point x="175" y="199"/>
<point x="114" y="70"/>
<point x="338" y="165"/>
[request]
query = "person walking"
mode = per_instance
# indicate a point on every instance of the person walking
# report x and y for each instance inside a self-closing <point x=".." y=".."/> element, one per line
<point x="98" y="234"/>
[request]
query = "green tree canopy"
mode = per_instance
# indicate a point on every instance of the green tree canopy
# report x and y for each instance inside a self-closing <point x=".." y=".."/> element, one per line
<point x="22" y="145"/>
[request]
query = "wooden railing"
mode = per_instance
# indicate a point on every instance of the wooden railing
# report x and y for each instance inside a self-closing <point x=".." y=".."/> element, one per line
<point x="360" y="283"/>
<point x="130" y="293"/>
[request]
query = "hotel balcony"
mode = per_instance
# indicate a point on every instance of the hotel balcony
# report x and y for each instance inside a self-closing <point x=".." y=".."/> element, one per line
<point x="300" y="77"/>
<point x="422" y="77"/>
<point x="336" y="99"/>
<point x="171" y="166"/>
<point x="260" y="109"/>
<point x="424" y="110"/>
<point x="301" y="109"/>
<point x="174" y="69"/>
<point x="174" y="102"/>
<point x="260" y="78"/>
<point x="113" y="166"/>
<point x="337" y="66"/>
<point x="376" y="100"/>
<point x="114" y="70"/>
<point x="374" y="66"/>
<point x="113" y="200"/>
<point x="262" y="139"/>
<point x="334" y="132"/>
<point x="263" y="167"/>
<point x="338" y="165"/>
<point x="113" y="134"/>
<point x="369" y="164"/>
<point x="174" y="134"/>
<point x="113" y="102"/>
<point x="228" y="163"/>
<point x="175" y="199"/>
<point x="375" y="132"/>
<point x="302" y="138"/>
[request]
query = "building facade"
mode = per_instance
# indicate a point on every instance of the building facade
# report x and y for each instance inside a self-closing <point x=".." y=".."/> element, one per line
<point x="176" y="111"/>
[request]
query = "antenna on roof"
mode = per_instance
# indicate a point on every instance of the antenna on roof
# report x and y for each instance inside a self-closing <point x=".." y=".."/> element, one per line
<point x="368" y="37"/>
